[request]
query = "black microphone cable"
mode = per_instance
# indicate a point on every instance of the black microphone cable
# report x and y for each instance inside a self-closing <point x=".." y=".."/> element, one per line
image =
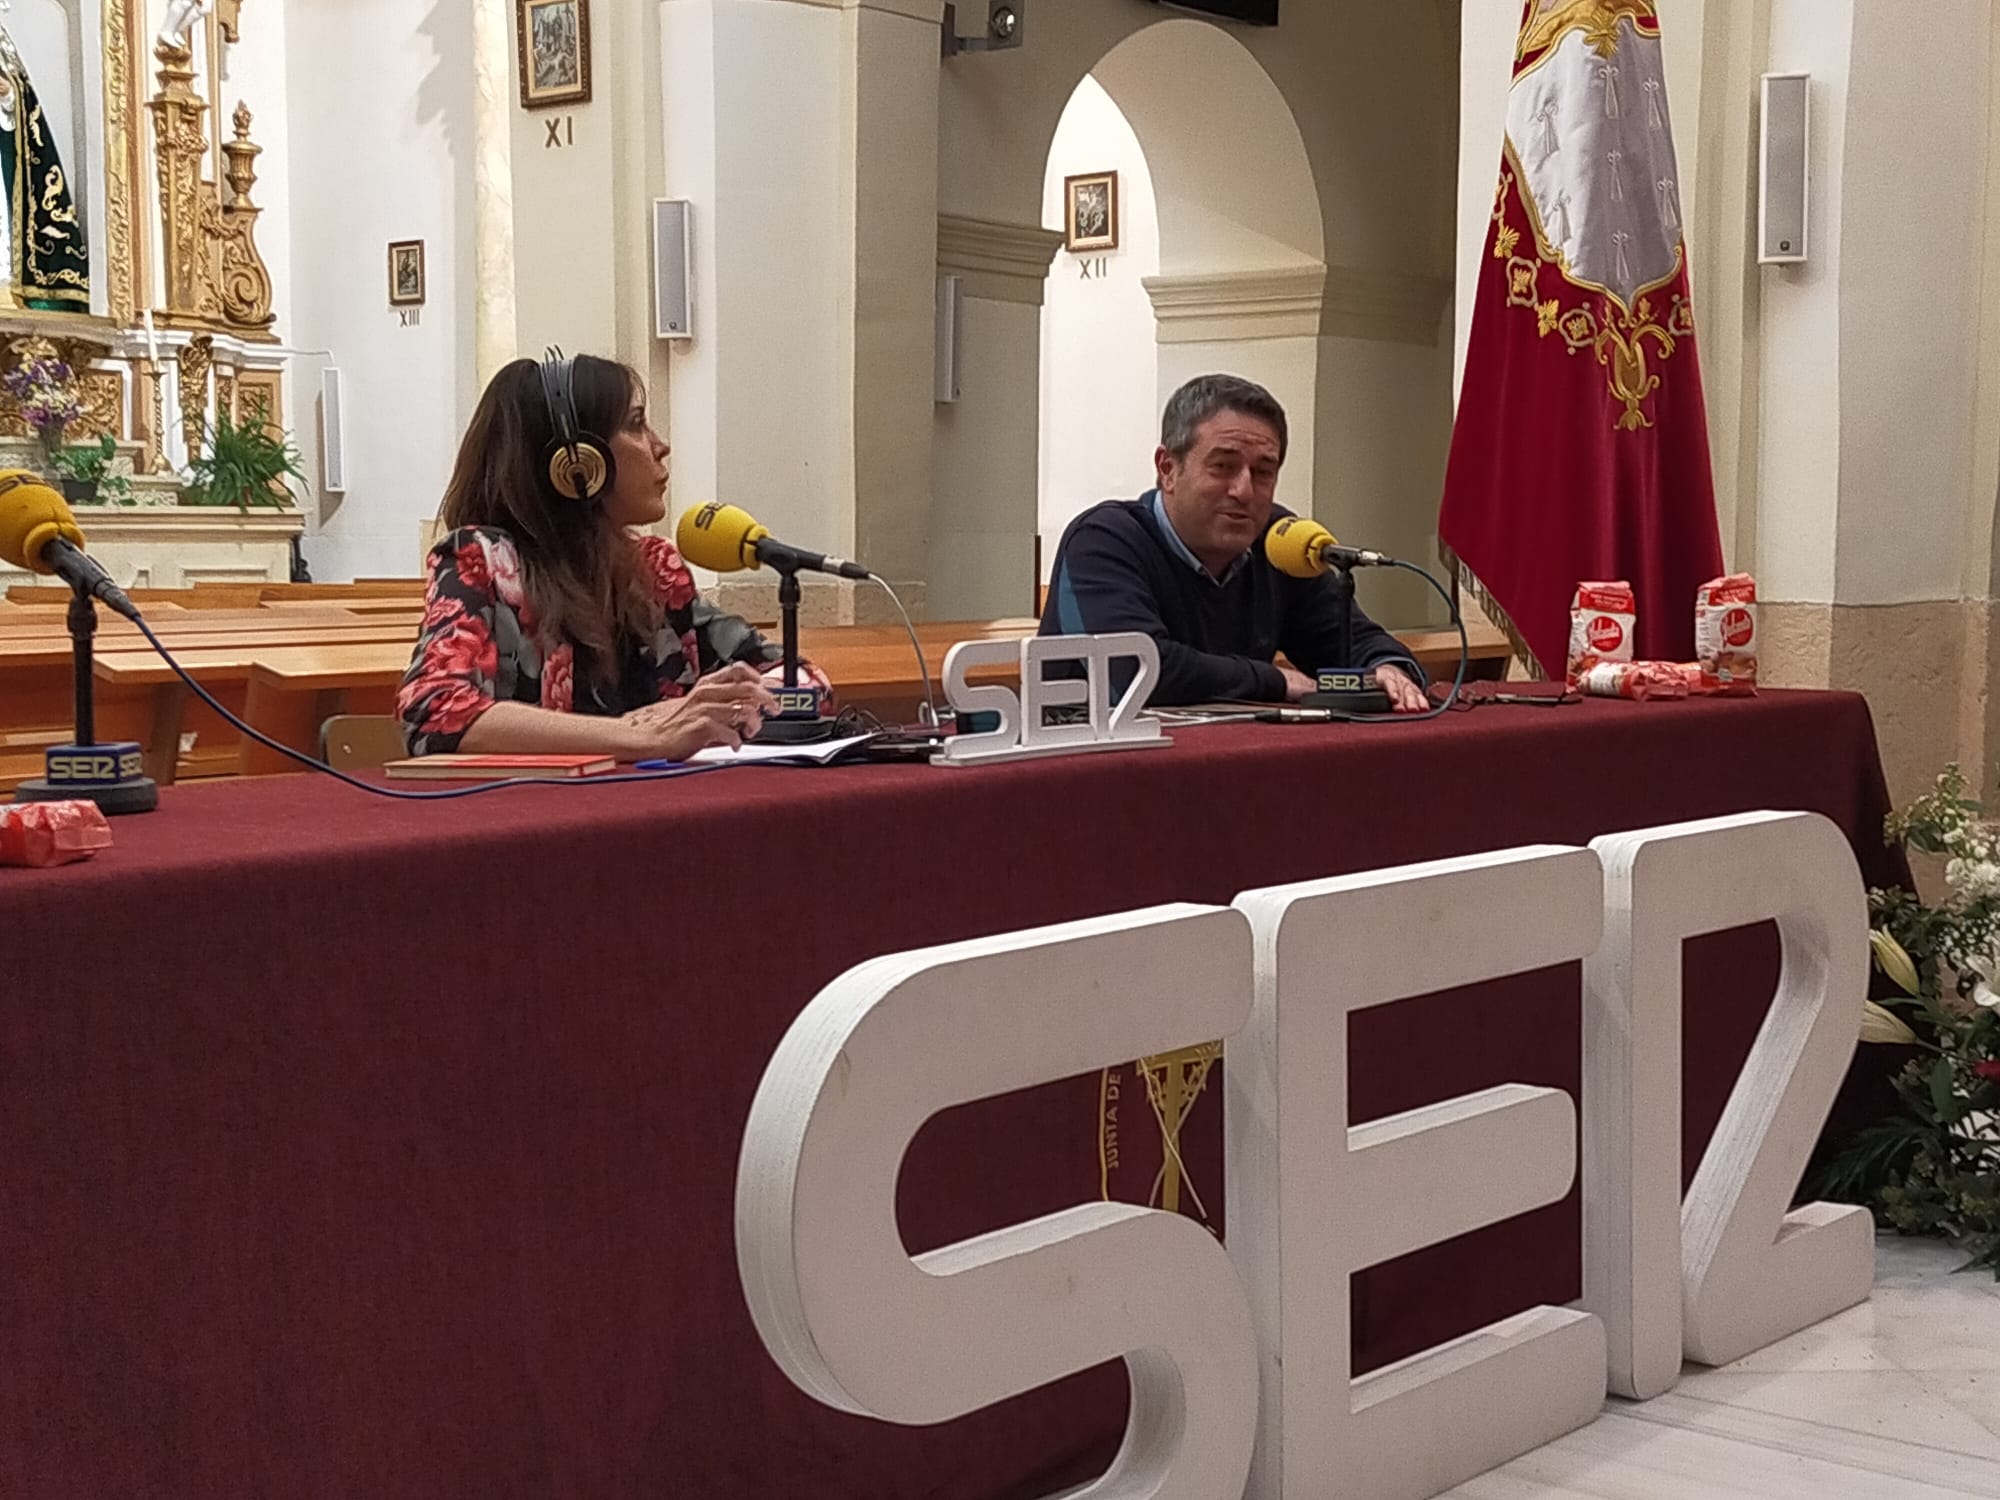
<point x="1464" y="660"/>
<point x="393" y="793"/>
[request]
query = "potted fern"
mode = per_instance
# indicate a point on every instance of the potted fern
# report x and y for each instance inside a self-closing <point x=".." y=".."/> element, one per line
<point x="245" y="464"/>
<point x="87" y="476"/>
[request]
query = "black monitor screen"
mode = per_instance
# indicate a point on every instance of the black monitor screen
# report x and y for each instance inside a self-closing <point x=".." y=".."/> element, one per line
<point x="1250" y="12"/>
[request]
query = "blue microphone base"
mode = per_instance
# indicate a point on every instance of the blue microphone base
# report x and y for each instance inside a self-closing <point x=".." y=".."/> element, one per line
<point x="112" y="776"/>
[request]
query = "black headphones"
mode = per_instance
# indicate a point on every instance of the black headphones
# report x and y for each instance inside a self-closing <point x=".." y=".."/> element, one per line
<point x="580" y="465"/>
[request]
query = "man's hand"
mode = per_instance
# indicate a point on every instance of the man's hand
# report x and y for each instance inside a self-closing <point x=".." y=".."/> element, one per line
<point x="1297" y="684"/>
<point x="1405" y="697"/>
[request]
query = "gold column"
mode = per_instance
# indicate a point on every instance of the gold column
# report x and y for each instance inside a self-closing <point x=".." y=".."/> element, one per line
<point x="246" y="284"/>
<point x="156" y="433"/>
<point x="180" y="142"/>
<point x="195" y="358"/>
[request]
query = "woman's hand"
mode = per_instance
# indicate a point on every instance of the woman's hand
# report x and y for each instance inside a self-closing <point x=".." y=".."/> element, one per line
<point x="724" y="708"/>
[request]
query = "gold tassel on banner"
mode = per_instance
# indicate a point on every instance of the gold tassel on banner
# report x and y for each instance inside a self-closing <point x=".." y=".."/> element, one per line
<point x="1464" y="578"/>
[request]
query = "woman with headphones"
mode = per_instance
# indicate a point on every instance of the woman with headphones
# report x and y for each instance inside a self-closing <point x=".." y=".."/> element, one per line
<point x="551" y="626"/>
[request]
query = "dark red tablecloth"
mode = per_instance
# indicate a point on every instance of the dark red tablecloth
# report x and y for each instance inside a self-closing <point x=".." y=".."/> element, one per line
<point x="351" y="1148"/>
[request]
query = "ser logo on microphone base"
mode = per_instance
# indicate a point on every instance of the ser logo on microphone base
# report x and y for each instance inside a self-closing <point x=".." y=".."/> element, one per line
<point x="113" y="776"/>
<point x="1345" y="682"/>
<point x="797" y="702"/>
<point x="95" y="765"/>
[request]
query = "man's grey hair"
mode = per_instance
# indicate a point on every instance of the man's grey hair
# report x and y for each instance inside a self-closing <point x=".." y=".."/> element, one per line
<point x="1207" y="395"/>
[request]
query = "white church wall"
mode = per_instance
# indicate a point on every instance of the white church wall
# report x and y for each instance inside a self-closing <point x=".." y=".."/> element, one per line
<point x="256" y="71"/>
<point x="1100" y="413"/>
<point x="381" y="150"/>
<point x="1371" y="91"/>
<point x="565" y="222"/>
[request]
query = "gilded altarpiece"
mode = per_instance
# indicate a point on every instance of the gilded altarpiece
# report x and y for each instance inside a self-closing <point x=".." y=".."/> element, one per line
<point x="178" y="194"/>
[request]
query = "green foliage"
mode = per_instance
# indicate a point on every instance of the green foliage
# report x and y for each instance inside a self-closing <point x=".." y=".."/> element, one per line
<point x="91" y="463"/>
<point x="245" y="464"/>
<point x="1935" y="1168"/>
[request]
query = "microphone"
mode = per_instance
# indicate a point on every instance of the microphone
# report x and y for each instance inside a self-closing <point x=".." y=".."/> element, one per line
<point x="725" y="539"/>
<point x="37" y="532"/>
<point x="1302" y="548"/>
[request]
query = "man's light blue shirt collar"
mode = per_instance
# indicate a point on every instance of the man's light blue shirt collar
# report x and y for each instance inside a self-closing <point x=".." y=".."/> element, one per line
<point x="1181" y="548"/>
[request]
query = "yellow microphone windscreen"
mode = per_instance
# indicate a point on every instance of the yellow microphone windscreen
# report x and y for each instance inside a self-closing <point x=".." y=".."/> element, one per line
<point x="719" y="537"/>
<point x="1294" y="547"/>
<point x="31" y="516"/>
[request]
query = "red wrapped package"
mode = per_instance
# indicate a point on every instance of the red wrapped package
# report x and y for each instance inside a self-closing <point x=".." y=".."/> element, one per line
<point x="39" y="835"/>
<point x="1725" y="635"/>
<point x="1602" y="620"/>
<point x="1638" y="680"/>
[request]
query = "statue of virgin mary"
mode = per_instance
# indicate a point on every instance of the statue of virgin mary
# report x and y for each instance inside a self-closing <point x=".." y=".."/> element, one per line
<point x="48" y="263"/>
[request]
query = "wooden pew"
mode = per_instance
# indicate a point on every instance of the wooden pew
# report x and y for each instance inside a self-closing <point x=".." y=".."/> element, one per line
<point x="224" y="660"/>
<point x="378" y="588"/>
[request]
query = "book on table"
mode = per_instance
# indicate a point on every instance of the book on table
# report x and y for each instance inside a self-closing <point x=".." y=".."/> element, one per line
<point x="498" y="767"/>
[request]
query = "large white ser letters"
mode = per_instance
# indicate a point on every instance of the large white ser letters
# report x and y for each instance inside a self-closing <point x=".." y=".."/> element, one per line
<point x="1747" y="1273"/>
<point x="1312" y="1201"/>
<point x="858" y="1323"/>
<point x="1224" y="1359"/>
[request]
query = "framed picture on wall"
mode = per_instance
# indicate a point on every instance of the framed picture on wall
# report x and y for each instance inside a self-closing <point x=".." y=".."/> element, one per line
<point x="1091" y="213"/>
<point x="554" y="37"/>
<point x="406" y="273"/>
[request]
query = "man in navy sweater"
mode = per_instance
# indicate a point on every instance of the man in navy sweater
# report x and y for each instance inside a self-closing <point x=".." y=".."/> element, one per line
<point x="1185" y="565"/>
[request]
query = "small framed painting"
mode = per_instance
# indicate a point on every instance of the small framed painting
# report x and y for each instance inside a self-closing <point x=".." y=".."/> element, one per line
<point x="554" y="40"/>
<point x="406" y="273"/>
<point x="1091" y="213"/>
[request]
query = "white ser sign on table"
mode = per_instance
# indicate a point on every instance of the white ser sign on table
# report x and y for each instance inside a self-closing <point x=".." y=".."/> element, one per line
<point x="1239" y="1359"/>
<point x="1023" y="732"/>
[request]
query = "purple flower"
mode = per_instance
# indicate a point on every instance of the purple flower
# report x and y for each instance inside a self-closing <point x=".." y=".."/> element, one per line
<point x="44" y="391"/>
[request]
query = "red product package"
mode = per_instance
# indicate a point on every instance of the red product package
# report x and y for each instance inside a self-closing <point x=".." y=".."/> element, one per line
<point x="1602" y="619"/>
<point x="1640" y="681"/>
<point x="39" y="835"/>
<point x="1725" y="634"/>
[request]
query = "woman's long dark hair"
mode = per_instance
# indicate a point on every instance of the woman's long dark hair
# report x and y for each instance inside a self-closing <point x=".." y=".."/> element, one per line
<point x="581" y="572"/>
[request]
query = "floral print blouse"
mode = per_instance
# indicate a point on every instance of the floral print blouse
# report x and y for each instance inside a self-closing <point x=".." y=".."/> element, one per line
<point x="479" y="645"/>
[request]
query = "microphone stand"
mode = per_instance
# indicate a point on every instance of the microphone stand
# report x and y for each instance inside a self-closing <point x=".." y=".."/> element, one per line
<point x="1357" y="692"/>
<point x="113" y="776"/>
<point x="797" y="723"/>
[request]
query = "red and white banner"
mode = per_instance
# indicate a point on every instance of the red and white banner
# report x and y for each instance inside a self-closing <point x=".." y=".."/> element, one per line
<point x="1581" y="450"/>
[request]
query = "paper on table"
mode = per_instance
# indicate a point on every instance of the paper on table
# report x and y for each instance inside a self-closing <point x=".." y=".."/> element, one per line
<point x="814" y="755"/>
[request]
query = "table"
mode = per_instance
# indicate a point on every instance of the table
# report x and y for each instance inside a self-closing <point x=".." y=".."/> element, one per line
<point x="294" y="690"/>
<point x="388" y="1149"/>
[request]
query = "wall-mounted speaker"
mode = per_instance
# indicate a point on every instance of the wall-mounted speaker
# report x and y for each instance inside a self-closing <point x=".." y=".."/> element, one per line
<point x="950" y="333"/>
<point x="332" y="432"/>
<point x="1784" y="189"/>
<point x="673" y="269"/>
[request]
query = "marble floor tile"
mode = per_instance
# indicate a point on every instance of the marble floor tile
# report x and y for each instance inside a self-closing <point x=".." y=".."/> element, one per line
<point x="1898" y="1399"/>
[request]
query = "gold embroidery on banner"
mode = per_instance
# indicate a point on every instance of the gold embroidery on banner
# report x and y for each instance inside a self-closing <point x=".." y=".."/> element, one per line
<point x="1596" y="19"/>
<point x="1618" y="335"/>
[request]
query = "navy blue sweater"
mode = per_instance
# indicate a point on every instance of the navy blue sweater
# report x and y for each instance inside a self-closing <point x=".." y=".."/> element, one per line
<point x="1117" y="571"/>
